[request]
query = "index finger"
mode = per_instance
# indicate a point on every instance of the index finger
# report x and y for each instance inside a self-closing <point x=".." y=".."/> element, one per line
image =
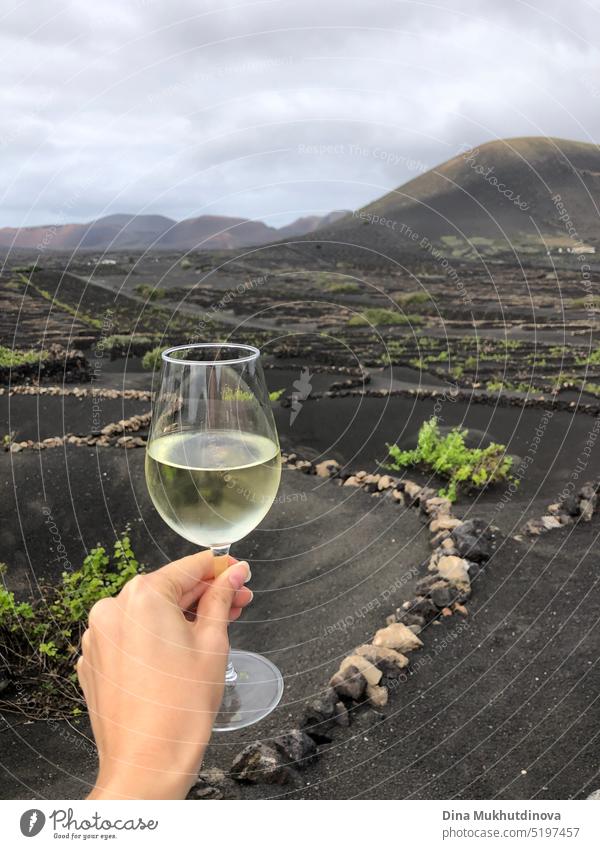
<point x="180" y="577"/>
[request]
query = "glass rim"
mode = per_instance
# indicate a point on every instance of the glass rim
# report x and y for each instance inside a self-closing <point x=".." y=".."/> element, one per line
<point x="253" y="354"/>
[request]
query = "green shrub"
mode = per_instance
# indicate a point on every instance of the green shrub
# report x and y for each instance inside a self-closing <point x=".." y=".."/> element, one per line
<point x="11" y="358"/>
<point x="441" y="357"/>
<point x="185" y="263"/>
<point x="592" y="359"/>
<point x="508" y="386"/>
<point x="394" y="350"/>
<point x="125" y="342"/>
<point x="405" y="299"/>
<point x="151" y="359"/>
<point x="230" y="394"/>
<point x="379" y="316"/>
<point x="590" y="302"/>
<point x="448" y="456"/>
<point x="12" y="285"/>
<point x="40" y="639"/>
<point x="151" y="293"/>
<point x="347" y="288"/>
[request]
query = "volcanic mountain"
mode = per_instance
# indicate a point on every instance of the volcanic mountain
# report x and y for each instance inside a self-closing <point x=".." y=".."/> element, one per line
<point x="141" y="232"/>
<point x="506" y="191"/>
<point x="534" y="193"/>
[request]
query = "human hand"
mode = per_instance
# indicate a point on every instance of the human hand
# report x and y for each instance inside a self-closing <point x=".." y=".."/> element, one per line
<point x="152" y="672"/>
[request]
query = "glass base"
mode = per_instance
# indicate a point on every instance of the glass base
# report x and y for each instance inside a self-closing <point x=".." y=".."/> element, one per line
<point x="256" y="691"/>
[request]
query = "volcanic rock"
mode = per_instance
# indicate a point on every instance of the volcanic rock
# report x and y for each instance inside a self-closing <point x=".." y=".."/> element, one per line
<point x="260" y="762"/>
<point x="389" y="661"/>
<point x="420" y="606"/>
<point x="378" y="696"/>
<point x="424" y="586"/>
<point x="371" y="479"/>
<point x="571" y="505"/>
<point x="444" y="523"/>
<point x="342" y="715"/>
<point x="436" y="506"/>
<point x="297" y="747"/>
<point x="594" y="796"/>
<point x="200" y="790"/>
<point x="371" y="673"/>
<point x="412" y="620"/>
<point x="349" y="684"/>
<point x="411" y="489"/>
<point x="440" y="538"/>
<point x="327" y="468"/>
<point x="534" y="528"/>
<point x="385" y="482"/>
<point x="320" y="716"/>
<point x="213" y="775"/>
<point x="549" y="523"/>
<point x="397" y="636"/>
<point x="474" y="540"/>
<point x="455" y="571"/>
<point x="442" y="595"/>
<point x="588" y="493"/>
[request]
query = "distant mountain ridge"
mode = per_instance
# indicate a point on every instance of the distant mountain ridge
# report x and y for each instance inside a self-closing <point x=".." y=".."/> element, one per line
<point x="140" y="232"/>
<point x="536" y="191"/>
<point x="511" y="190"/>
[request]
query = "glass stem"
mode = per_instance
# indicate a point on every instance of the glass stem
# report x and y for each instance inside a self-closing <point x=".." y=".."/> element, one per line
<point x="220" y="553"/>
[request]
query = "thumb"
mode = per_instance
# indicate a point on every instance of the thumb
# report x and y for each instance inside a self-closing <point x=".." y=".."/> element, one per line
<point x="215" y="605"/>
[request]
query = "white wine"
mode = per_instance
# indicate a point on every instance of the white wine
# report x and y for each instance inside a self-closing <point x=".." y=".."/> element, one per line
<point x="213" y="487"/>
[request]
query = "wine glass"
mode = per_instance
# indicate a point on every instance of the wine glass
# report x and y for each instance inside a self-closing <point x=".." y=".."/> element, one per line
<point x="213" y="468"/>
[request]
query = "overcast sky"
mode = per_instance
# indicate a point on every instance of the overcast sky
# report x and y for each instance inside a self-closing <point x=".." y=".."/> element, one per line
<point x="273" y="109"/>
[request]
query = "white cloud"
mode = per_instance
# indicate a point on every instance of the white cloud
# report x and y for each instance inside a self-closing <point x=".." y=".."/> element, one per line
<point x="182" y="108"/>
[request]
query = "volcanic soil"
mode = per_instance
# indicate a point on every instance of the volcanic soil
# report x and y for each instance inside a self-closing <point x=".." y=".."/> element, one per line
<point x="502" y="703"/>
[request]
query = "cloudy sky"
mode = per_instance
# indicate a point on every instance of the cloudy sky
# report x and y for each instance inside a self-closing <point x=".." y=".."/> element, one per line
<point x="273" y="109"/>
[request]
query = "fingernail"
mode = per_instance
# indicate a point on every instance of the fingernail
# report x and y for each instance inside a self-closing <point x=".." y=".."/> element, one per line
<point x="238" y="575"/>
<point x="249" y="575"/>
<point x="251" y="595"/>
